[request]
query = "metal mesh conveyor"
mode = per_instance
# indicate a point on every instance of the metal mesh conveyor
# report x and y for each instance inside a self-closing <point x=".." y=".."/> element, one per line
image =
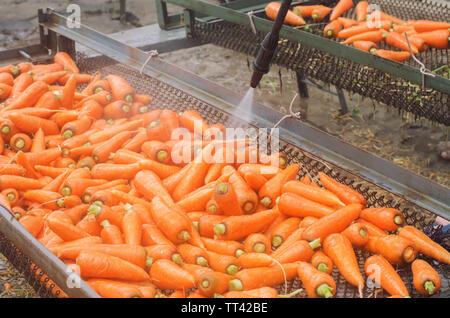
<point x="342" y="71"/>
<point x="167" y="96"/>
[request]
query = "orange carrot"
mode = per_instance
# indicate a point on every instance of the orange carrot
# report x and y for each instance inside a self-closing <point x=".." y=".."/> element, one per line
<point x="132" y="228"/>
<point x="343" y="192"/>
<point x="231" y="248"/>
<point x="5" y="90"/>
<point x="76" y="127"/>
<point x="31" y="124"/>
<point x="438" y="38"/>
<point x="398" y="41"/>
<point x="291" y="18"/>
<point x="362" y="11"/>
<point x="193" y="254"/>
<point x="425" y="278"/>
<point x="114" y="289"/>
<point x="317" y="284"/>
<point x="357" y="234"/>
<point x="272" y="188"/>
<point x="424" y="244"/>
<point x="165" y="274"/>
<point x="366" y="46"/>
<point x="257" y="243"/>
<point x="385" y="218"/>
<point x="394" y="248"/>
<point x="340" y="250"/>
<point x="332" y="29"/>
<point x="212" y="283"/>
<point x="379" y="270"/>
<point x="322" y="262"/>
<point x="65" y="228"/>
<point x="66" y="61"/>
<point x="95" y="264"/>
<point x="33" y="224"/>
<point x="281" y="232"/>
<point x="299" y="250"/>
<point x="319" y="13"/>
<point x="19" y="183"/>
<point x="422" y="26"/>
<point x="341" y="7"/>
<point x="398" y="56"/>
<point x="29" y="96"/>
<point x="120" y="88"/>
<point x="20" y="142"/>
<point x="318" y="195"/>
<point x="373" y="36"/>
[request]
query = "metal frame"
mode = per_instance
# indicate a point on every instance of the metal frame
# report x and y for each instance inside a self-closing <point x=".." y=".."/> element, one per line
<point x="417" y="189"/>
<point x="404" y="71"/>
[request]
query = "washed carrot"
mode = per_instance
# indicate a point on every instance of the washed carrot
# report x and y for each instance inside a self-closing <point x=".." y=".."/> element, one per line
<point x="388" y="219"/>
<point x="20" y="142"/>
<point x="8" y="129"/>
<point x="422" y="26"/>
<point x="425" y="278"/>
<point x="120" y="88"/>
<point x="207" y="223"/>
<point x="95" y="264"/>
<point x="398" y="56"/>
<point x="396" y="249"/>
<point x="90" y="225"/>
<point x="66" y="61"/>
<point x="257" y="243"/>
<point x="156" y="150"/>
<point x="438" y="38"/>
<point x="114" y="289"/>
<point x="225" y="196"/>
<point x="332" y="29"/>
<point x="252" y="278"/>
<point x="299" y="250"/>
<point x="322" y="262"/>
<point x="77" y="186"/>
<point x="398" y="41"/>
<point x="19" y="183"/>
<point x="424" y="244"/>
<point x="315" y="194"/>
<point x="283" y="230"/>
<point x="31" y="124"/>
<point x="223" y="263"/>
<point x="109" y="171"/>
<point x="89" y="89"/>
<point x="238" y="227"/>
<point x="165" y="274"/>
<point x="307" y="221"/>
<point x="5" y="90"/>
<point x="339" y="249"/>
<point x="6" y="78"/>
<point x="64" y="229"/>
<point x="266" y="171"/>
<point x="341" y="7"/>
<point x="103" y="98"/>
<point x="12" y="195"/>
<point x="362" y="11"/>
<point x="379" y="270"/>
<point x="193" y="254"/>
<point x="294" y="205"/>
<point x="317" y="284"/>
<point x="291" y="18"/>
<point x="108" y="133"/>
<point x="343" y="192"/>
<point x="33" y="224"/>
<point x="357" y="234"/>
<point x="135" y="143"/>
<point x="212" y="283"/>
<point x="366" y="46"/>
<point x="320" y="13"/>
<point x="197" y="201"/>
<point x="246" y="197"/>
<point x="272" y="188"/>
<point x="377" y="14"/>
<point x="102" y="152"/>
<point x="76" y="127"/>
<point x="373" y="36"/>
<point x="29" y="96"/>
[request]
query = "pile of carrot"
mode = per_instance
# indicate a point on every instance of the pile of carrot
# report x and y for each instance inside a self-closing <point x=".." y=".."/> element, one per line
<point x="370" y="28"/>
<point x="92" y="172"/>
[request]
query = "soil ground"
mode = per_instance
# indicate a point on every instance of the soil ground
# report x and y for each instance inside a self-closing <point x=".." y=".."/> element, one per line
<point x="375" y="128"/>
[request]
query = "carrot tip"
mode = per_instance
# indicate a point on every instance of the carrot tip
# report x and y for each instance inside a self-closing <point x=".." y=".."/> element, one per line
<point x="239" y="252"/>
<point x="235" y="284"/>
<point x="324" y="290"/>
<point x="429" y="287"/>
<point x="184" y="236"/>
<point x="261" y="248"/>
<point x="201" y="261"/>
<point x="177" y="259"/>
<point x="94" y="209"/>
<point x="67" y="134"/>
<point x="66" y="191"/>
<point x="277" y="240"/>
<point x="266" y="201"/>
<point x="323" y="267"/>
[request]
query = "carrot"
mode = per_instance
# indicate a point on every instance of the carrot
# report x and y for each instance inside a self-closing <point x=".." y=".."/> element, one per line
<point x="266" y="171"/>
<point x="114" y="289"/>
<point x="317" y="284"/>
<point x="251" y="278"/>
<point x="193" y="121"/>
<point x="170" y="221"/>
<point x="374" y="15"/>
<point x="313" y="193"/>
<point x="385" y="218"/>
<point x="6" y="78"/>
<point x="252" y="260"/>
<point x="362" y="11"/>
<point x="135" y="143"/>
<point x="291" y="18"/>
<point x="109" y="171"/>
<point x="394" y="248"/>
<point x="160" y="251"/>
<point x="378" y="269"/>
<point x="12" y="169"/>
<point x="46" y="198"/>
<point x="425" y="278"/>
<point x="255" y="181"/>
<point x="31" y="124"/>
<point x="101" y="85"/>
<point x="120" y="88"/>
<point x="5" y="90"/>
<point x="332" y="29"/>
<point x="50" y="77"/>
<point x="102" y="152"/>
<point x="103" y="98"/>
<point x="398" y="56"/>
<point x="424" y="244"/>
<point x="29" y="96"/>
<point x="319" y="13"/>
<point x="239" y="226"/>
<point x="20" y="142"/>
<point x="90" y="225"/>
<point x="247" y="198"/>
<point x="76" y="213"/>
<point x="32" y="224"/>
<point x="438" y="38"/>
<point x="304" y="11"/>
<point x="76" y="127"/>
<point x="299" y="250"/>
<point x="357" y="234"/>
<point x="89" y="89"/>
<point x="66" y="61"/>
<point x="12" y="195"/>
<point x="212" y="283"/>
<point x="108" y="133"/>
<point x="339" y="249"/>
<point x="95" y="264"/>
<point x="19" y="183"/>
<point x="272" y="188"/>
<point x="307" y="221"/>
<point x="373" y="36"/>
<point x="156" y="150"/>
<point x="366" y="46"/>
<point x="64" y="229"/>
<point x="257" y="243"/>
<point x="150" y="185"/>
<point x="165" y="274"/>
<point x="398" y="41"/>
<point x="8" y="129"/>
<point x="281" y="232"/>
<point x="193" y="254"/>
<point x="77" y="186"/>
<point x="231" y="248"/>
<point x="422" y="26"/>
<point x="207" y="223"/>
<point x="132" y="228"/>
<point x="226" y="197"/>
<point x="322" y="262"/>
<point x="341" y="7"/>
<point x="343" y="192"/>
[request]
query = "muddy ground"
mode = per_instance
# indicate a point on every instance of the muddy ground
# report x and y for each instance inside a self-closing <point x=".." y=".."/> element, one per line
<point x="375" y="128"/>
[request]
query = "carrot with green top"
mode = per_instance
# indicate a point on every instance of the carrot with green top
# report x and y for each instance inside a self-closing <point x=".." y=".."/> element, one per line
<point x="64" y="229"/>
<point x="206" y="224"/>
<point x="257" y="243"/>
<point x="103" y="98"/>
<point x="95" y="264"/>
<point x="46" y="198"/>
<point x="320" y="13"/>
<point x="197" y="200"/>
<point x="388" y="219"/>
<point x="379" y="270"/>
<point x="425" y="278"/>
<point x="232" y="248"/>
<point x="332" y="29"/>
<point x="239" y="226"/>
<point x="20" y="142"/>
<point x="156" y="150"/>
<point x="340" y="250"/>
<point x="317" y="284"/>
<point x="247" y="198"/>
<point x="76" y="127"/>
<point x="12" y="195"/>
<point x="223" y="263"/>
<point x="212" y="283"/>
<point x="193" y="254"/>
<point x="366" y="46"/>
<point x="322" y="262"/>
<point x="373" y="36"/>
<point x="89" y="89"/>
<point x="424" y="243"/>
<point x="120" y="88"/>
<point x="357" y="234"/>
<point x="271" y="190"/>
<point x="300" y="250"/>
<point x="281" y="232"/>
<point x="398" y="56"/>
<point x="102" y="152"/>
<point x="362" y="11"/>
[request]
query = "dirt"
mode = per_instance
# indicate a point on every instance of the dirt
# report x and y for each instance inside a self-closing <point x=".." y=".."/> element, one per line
<point x="373" y="127"/>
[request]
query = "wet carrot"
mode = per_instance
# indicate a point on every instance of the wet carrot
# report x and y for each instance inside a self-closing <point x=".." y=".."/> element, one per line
<point x="33" y="224"/>
<point x="114" y="289"/>
<point x="332" y="29"/>
<point x="193" y="254"/>
<point x="379" y="270"/>
<point x="95" y="264"/>
<point x="31" y="124"/>
<point x="232" y="248"/>
<point x="362" y="11"/>
<point x="425" y="278"/>
<point x="320" y="13"/>
<point x="212" y="283"/>
<point x="120" y="88"/>
<point x="422" y="26"/>
<point x="343" y="192"/>
<point x="339" y="249"/>
<point x="29" y="96"/>
<point x="165" y="274"/>
<point x="438" y="38"/>
<point x="398" y="41"/>
<point x="425" y="244"/>
<point x="396" y="249"/>
<point x="366" y="46"/>
<point x="272" y="188"/>
<point x="257" y="243"/>
<point x="64" y="59"/>
<point x="357" y="234"/>
<point x="322" y="262"/>
<point x="76" y="127"/>
<point x="299" y="250"/>
<point x="281" y="232"/>
<point x="19" y="183"/>
<point x="398" y="56"/>
<point x="388" y="219"/>
<point x="5" y="90"/>
<point x="291" y="18"/>
<point x="294" y="205"/>
<point x="317" y="284"/>
<point x="132" y="228"/>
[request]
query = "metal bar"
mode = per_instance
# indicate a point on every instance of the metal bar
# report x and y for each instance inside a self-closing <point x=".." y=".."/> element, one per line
<point x="381" y="172"/>
<point x="302" y="87"/>
<point x="51" y="265"/>
<point x="407" y="72"/>
<point x="342" y="101"/>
